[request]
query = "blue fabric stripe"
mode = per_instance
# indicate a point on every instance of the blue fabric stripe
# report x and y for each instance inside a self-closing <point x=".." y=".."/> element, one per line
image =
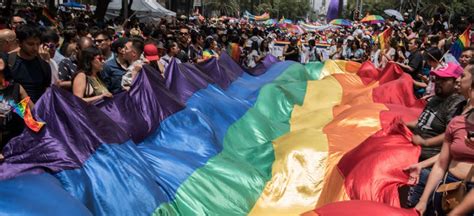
<point x="38" y="195"/>
<point x="131" y="179"/>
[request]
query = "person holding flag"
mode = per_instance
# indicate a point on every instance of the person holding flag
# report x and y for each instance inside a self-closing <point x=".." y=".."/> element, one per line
<point x="461" y="43"/>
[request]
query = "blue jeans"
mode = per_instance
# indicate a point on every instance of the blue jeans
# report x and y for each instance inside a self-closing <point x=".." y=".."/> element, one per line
<point x="434" y="202"/>
<point x="416" y="191"/>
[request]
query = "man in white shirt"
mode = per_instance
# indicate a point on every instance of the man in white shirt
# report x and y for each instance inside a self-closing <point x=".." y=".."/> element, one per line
<point x="133" y="55"/>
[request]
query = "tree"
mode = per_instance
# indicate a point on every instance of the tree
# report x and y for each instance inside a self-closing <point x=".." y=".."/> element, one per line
<point x="223" y="7"/>
<point x="264" y="7"/>
<point x="292" y="9"/>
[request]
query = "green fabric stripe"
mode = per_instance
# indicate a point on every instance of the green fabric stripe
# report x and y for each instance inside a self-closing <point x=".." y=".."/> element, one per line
<point x="314" y="69"/>
<point x="231" y="182"/>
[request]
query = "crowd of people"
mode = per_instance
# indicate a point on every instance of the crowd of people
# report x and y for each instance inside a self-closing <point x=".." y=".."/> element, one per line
<point x="96" y="59"/>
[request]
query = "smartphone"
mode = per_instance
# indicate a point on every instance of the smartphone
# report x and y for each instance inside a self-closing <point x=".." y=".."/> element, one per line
<point x="470" y="134"/>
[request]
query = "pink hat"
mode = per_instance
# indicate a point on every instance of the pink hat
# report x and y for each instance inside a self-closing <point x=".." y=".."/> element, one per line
<point x="450" y="70"/>
<point x="151" y="52"/>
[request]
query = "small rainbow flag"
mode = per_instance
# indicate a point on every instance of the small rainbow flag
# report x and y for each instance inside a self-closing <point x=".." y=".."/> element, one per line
<point x="461" y="43"/>
<point x="23" y="110"/>
<point x="234" y="51"/>
<point x="384" y="37"/>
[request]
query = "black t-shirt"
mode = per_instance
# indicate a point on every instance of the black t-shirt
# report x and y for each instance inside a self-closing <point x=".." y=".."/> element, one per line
<point x="183" y="54"/>
<point x="434" y="119"/>
<point x="415" y="61"/>
<point x="34" y="75"/>
<point x="294" y="56"/>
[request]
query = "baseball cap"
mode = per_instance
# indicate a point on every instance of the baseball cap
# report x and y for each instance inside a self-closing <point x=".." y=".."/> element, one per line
<point x="450" y="70"/>
<point x="151" y="52"/>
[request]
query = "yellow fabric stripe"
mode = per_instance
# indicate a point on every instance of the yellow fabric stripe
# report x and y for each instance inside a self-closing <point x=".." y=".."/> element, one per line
<point x="337" y="114"/>
<point x="300" y="155"/>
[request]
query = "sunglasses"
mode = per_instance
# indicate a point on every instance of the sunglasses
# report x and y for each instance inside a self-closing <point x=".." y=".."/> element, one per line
<point x="183" y="33"/>
<point x="99" y="41"/>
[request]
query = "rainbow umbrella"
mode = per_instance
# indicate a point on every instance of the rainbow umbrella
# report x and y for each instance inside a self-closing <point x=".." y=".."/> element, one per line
<point x="373" y="19"/>
<point x="341" y="22"/>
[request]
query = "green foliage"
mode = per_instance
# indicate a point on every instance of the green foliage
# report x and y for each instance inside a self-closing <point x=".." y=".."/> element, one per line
<point x="264" y="7"/>
<point x="223" y="7"/>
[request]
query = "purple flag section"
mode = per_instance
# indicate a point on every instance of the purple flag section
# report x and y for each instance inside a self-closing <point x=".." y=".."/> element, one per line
<point x="333" y="10"/>
<point x="185" y="79"/>
<point x="229" y="64"/>
<point x="73" y="130"/>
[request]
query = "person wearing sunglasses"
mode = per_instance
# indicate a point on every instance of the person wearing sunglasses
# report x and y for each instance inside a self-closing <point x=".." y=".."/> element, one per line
<point x="184" y="41"/>
<point x="86" y="83"/>
<point x="103" y="41"/>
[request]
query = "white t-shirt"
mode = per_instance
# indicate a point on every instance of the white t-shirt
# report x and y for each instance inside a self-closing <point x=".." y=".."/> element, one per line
<point x="250" y="59"/>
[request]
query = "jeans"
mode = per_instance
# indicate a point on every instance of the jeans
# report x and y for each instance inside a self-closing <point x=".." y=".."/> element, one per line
<point x="416" y="191"/>
<point x="434" y="203"/>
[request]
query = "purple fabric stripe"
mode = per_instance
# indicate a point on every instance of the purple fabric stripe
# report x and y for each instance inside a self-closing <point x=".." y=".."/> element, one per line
<point x="185" y="79"/>
<point x="221" y="71"/>
<point x="263" y="66"/>
<point x="74" y="129"/>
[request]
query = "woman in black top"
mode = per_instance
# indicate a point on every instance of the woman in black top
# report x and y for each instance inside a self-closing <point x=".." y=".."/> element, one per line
<point x="292" y="51"/>
<point x="11" y="124"/>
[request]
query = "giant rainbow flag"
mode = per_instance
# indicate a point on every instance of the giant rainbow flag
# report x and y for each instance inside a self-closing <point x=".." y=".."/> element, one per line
<point x="211" y="139"/>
